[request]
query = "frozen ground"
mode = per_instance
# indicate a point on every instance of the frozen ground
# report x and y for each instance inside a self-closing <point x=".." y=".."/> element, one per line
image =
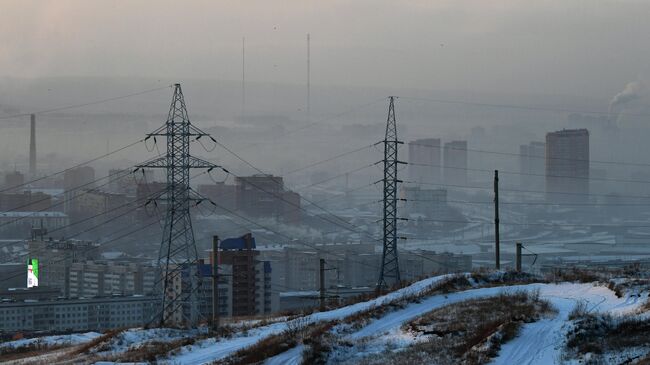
<point x="209" y="350"/>
<point x="72" y="339"/>
<point x="537" y="343"/>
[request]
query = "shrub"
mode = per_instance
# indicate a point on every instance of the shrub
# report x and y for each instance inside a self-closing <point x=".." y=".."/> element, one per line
<point x="579" y="311"/>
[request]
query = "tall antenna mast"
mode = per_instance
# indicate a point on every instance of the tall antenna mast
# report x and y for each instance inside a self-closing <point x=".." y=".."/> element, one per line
<point x="178" y="257"/>
<point x="389" y="273"/>
<point x="243" y="76"/>
<point x="308" y="78"/>
<point x="32" y="145"/>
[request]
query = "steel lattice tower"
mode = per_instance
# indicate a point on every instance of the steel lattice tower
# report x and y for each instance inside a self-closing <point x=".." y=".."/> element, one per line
<point x="389" y="262"/>
<point x="178" y="256"/>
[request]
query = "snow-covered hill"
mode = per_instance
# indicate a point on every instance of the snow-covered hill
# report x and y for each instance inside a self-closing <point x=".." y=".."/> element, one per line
<point x="494" y="318"/>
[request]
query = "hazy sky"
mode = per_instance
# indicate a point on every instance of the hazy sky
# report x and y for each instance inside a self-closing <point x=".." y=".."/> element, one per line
<point x="590" y="47"/>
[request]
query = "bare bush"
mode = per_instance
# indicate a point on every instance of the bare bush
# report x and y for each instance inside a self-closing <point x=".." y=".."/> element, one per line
<point x="469" y="332"/>
<point x="598" y="334"/>
<point x="580" y="310"/>
<point x="296" y="328"/>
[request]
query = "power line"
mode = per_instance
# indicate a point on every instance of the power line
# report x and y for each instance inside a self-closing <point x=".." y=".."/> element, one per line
<point x="530" y="191"/>
<point x="531" y="174"/>
<point x="73" y="167"/>
<point x="90" y="248"/>
<point x="591" y="225"/>
<point x="65" y="200"/>
<point x="520" y="107"/>
<point x="329" y="159"/>
<point x="512" y="154"/>
<point x="326" y="119"/>
<point x="75" y="106"/>
<point x="533" y="203"/>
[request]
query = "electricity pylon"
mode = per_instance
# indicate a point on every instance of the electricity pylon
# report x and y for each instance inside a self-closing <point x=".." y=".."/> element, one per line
<point x="178" y="262"/>
<point x="389" y="263"/>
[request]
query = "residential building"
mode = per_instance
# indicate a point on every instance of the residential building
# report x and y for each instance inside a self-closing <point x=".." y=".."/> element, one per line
<point x="56" y="258"/>
<point x="20" y="224"/>
<point x="251" y="277"/>
<point x="567" y="165"/>
<point x="106" y="278"/>
<point x="94" y="314"/>
<point x="425" y="161"/>
<point x="265" y="196"/>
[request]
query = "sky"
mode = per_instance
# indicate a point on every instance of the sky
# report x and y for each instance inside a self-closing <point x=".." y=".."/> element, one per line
<point x="575" y="47"/>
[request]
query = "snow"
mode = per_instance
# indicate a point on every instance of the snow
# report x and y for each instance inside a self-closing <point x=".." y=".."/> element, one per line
<point x="137" y="337"/>
<point x="540" y="342"/>
<point x="210" y="349"/>
<point x="290" y="357"/>
<point x="71" y="339"/>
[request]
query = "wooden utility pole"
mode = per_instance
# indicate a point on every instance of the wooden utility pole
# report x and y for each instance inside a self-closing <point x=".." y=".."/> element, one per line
<point x="215" y="283"/>
<point x="322" y="284"/>
<point x="518" y="258"/>
<point x="496" y="221"/>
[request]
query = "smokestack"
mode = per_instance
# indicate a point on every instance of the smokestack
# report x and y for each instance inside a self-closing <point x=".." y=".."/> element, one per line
<point x="32" y="146"/>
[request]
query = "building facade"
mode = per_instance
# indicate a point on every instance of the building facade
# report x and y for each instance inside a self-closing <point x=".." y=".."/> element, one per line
<point x="97" y="314"/>
<point x="567" y="165"/>
<point x="101" y="279"/>
<point x="425" y="161"/>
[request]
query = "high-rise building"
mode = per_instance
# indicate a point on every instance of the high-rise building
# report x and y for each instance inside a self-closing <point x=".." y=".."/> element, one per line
<point x="531" y="165"/>
<point x="455" y="163"/>
<point x="424" y="161"/>
<point x="567" y="165"/>
<point x="251" y="277"/>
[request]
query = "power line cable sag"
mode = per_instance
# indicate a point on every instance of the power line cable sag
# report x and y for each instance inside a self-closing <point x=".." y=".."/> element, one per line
<point x="76" y="106"/>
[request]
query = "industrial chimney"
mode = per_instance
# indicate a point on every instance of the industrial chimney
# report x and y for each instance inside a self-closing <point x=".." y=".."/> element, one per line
<point x="32" y="146"/>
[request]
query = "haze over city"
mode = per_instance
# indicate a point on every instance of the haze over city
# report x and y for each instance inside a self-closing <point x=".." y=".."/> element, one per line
<point x="325" y="182"/>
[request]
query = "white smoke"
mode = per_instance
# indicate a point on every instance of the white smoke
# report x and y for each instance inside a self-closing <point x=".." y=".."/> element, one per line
<point x="632" y="91"/>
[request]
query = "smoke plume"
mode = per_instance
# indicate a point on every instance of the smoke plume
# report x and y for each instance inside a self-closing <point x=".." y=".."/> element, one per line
<point x="632" y="91"/>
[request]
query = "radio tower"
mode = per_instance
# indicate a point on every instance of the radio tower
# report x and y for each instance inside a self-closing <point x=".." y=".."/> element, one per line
<point x="389" y="264"/>
<point x="178" y="257"/>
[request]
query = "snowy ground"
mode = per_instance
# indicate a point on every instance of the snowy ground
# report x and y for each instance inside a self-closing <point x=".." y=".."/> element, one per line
<point x="209" y="350"/>
<point x="540" y="342"/>
<point x="72" y="339"/>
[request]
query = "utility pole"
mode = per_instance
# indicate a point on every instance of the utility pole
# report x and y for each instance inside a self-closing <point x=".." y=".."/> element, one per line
<point x="322" y="284"/>
<point x="497" y="253"/>
<point x="215" y="283"/>
<point x="518" y="257"/>
<point x="178" y="258"/>
<point x="389" y="261"/>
